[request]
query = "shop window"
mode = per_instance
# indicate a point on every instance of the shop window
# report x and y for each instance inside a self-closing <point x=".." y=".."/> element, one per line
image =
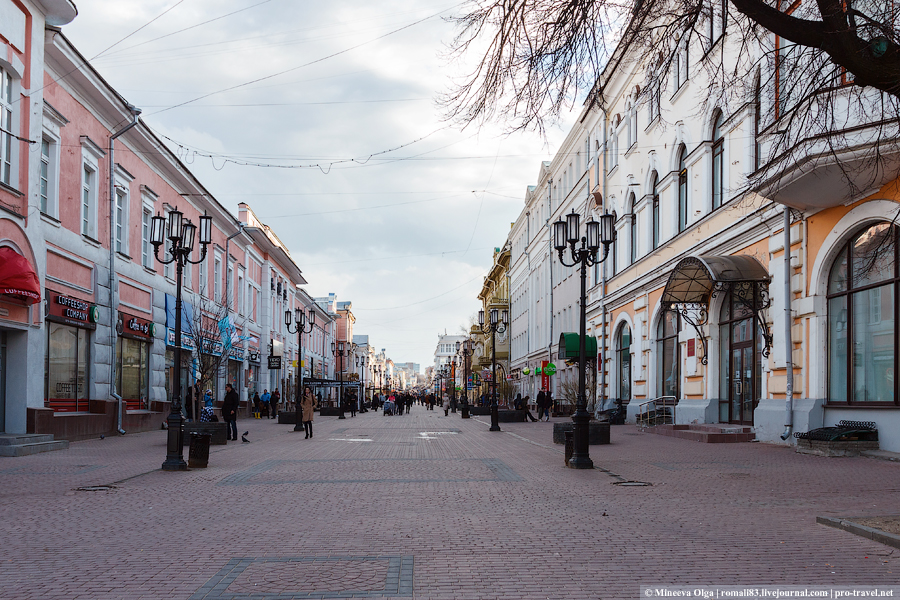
<point x="668" y="355"/>
<point x="66" y="368"/>
<point x="132" y="372"/>
<point x="862" y="328"/>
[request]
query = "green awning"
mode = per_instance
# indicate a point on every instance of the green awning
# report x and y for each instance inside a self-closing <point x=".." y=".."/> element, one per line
<point x="568" y="346"/>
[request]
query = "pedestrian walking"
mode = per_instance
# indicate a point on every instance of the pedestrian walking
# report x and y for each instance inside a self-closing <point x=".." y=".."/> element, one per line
<point x="273" y="404"/>
<point x="352" y="402"/>
<point x="446" y="405"/>
<point x="229" y="412"/>
<point x="543" y="404"/>
<point x="264" y="400"/>
<point x="307" y="409"/>
<point x="257" y="409"/>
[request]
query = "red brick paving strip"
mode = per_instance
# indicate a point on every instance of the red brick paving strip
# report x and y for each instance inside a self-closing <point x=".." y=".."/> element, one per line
<point x="484" y="515"/>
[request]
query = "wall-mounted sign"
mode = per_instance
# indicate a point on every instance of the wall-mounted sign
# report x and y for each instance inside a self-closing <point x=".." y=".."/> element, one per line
<point x="254" y="355"/>
<point x="274" y="362"/>
<point x="550" y="369"/>
<point x="71" y="311"/>
<point x="136" y="328"/>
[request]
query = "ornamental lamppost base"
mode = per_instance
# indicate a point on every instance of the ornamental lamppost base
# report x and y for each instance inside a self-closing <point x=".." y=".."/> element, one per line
<point x="495" y="418"/>
<point x="581" y="458"/>
<point x="175" y="444"/>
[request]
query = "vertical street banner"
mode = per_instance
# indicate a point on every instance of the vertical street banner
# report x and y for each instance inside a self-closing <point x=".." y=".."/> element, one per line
<point x="545" y="379"/>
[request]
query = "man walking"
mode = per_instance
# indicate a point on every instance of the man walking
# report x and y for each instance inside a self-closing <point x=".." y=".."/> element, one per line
<point x="229" y="412"/>
<point x="273" y="402"/>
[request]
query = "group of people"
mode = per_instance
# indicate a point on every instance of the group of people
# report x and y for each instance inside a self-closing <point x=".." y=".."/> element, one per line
<point x="267" y="404"/>
<point x="544" y="402"/>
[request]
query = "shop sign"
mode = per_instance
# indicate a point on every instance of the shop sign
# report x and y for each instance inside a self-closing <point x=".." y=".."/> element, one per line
<point x="72" y="311"/>
<point x="545" y="376"/>
<point x="236" y="353"/>
<point x="186" y="340"/>
<point x="550" y="369"/>
<point x="253" y="355"/>
<point x="135" y="328"/>
<point x="274" y="362"/>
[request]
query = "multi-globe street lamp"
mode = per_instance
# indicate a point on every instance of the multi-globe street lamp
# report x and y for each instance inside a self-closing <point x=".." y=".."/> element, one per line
<point x="299" y="329"/>
<point x="497" y="323"/>
<point x="362" y="361"/>
<point x="566" y="233"/>
<point x="181" y="237"/>
<point x="339" y="352"/>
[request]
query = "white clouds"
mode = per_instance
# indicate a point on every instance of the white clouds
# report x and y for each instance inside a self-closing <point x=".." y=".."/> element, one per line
<point x="394" y="231"/>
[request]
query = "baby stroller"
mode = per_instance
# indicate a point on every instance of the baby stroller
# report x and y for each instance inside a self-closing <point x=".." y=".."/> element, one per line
<point x="388" y="408"/>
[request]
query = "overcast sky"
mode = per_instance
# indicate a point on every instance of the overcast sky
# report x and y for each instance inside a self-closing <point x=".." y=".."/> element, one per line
<point x="406" y="235"/>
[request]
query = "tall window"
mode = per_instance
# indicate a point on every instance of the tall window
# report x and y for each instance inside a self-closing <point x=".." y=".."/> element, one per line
<point x="682" y="189"/>
<point x="615" y="248"/>
<point x="680" y="67"/>
<point x="121" y="222"/>
<point x="654" y="101"/>
<point x="623" y="354"/>
<point x="88" y="200"/>
<point x="654" y="226"/>
<point x="668" y="355"/>
<point x="203" y="277"/>
<point x="862" y="329"/>
<point x="613" y="148"/>
<point x="146" y="250"/>
<point x="718" y="149"/>
<point x="45" y="175"/>
<point x="6" y="124"/>
<point x="757" y="119"/>
<point x="632" y="254"/>
<point x="633" y="125"/>
<point x="718" y="11"/>
<point x="217" y="281"/>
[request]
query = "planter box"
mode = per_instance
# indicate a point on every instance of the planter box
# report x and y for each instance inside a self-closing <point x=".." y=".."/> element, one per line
<point x="598" y="432"/>
<point x="287" y="418"/>
<point x="480" y="411"/>
<point x="510" y="416"/>
<point x="834" y="448"/>
<point x="330" y="411"/>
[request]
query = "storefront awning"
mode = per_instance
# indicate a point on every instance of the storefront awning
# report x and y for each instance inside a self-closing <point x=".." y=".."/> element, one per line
<point x="695" y="278"/>
<point x="17" y="277"/>
<point x="568" y="346"/>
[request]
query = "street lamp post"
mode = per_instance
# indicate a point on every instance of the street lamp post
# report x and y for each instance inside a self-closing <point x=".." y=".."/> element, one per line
<point x="453" y="384"/>
<point x="339" y="352"/>
<point x="496" y="323"/>
<point x="361" y="362"/>
<point x="566" y="233"/>
<point x="181" y="238"/>
<point x="465" y="351"/>
<point x="299" y="329"/>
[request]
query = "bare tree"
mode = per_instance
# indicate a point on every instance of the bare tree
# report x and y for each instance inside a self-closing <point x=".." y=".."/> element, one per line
<point x="824" y="76"/>
<point x="212" y="337"/>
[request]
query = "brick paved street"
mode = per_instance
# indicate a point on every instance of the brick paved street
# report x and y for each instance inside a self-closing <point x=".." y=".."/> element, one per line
<point x="427" y="506"/>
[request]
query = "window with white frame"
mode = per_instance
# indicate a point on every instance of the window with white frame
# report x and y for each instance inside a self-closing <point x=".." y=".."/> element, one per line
<point x="242" y="291"/>
<point x="229" y="287"/>
<point x="89" y="201"/>
<point x="121" y="220"/>
<point x="203" y="278"/>
<point x="680" y="67"/>
<point x="613" y="148"/>
<point x="718" y="169"/>
<point x="168" y="269"/>
<point x="90" y="183"/>
<point x="717" y="13"/>
<point x="49" y="193"/>
<point x="146" y="249"/>
<point x="6" y="127"/>
<point x="217" y="281"/>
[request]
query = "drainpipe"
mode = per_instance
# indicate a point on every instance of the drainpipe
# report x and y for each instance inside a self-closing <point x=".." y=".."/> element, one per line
<point x="113" y="318"/>
<point x="789" y="343"/>
<point x="550" y="244"/>
<point x="603" y="284"/>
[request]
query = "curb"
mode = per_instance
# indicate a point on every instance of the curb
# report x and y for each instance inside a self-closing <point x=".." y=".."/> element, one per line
<point x="889" y="539"/>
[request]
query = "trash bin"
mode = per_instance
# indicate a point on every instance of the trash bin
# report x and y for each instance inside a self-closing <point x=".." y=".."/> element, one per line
<point x="570" y="445"/>
<point x="198" y="452"/>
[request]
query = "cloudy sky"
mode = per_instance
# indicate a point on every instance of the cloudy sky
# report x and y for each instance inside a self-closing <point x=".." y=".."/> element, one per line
<point x="322" y="116"/>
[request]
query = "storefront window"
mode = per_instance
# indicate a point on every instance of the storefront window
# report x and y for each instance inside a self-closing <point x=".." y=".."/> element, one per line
<point x="861" y="325"/>
<point x="132" y="372"/>
<point x="66" y="369"/>
<point x="668" y="355"/>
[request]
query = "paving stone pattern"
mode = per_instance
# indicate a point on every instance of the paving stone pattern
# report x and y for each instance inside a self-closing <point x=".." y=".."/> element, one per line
<point x="431" y="507"/>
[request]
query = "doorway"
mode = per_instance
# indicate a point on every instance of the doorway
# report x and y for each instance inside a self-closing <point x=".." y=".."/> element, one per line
<point x="740" y="358"/>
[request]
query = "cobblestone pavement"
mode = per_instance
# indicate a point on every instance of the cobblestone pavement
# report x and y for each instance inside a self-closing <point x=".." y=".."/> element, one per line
<point x="428" y="506"/>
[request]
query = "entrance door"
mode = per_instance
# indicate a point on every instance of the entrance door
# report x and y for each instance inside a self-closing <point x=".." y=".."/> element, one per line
<point x="741" y="362"/>
<point x="743" y="394"/>
<point x="2" y="381"/>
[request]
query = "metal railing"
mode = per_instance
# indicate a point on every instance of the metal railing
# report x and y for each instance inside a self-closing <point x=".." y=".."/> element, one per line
<point x="659" y="411"/>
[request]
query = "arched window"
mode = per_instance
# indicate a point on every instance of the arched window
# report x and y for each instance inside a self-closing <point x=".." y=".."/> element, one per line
<point x="632" y="255"/>
<point x="668" y="355"/>
<point x="862" y="330"/>
<point x="654" y="226"/>
<point x="718" y="149"/>
<point x="682" y="189"/>
<point x="623" y="356"/>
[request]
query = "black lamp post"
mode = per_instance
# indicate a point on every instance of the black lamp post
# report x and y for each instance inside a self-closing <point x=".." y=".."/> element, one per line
<point x="181" y="237"/>
<point x="361" y="402"/>
<point x="465" y="350"/>
<point x="339" y="352"/>
<point x="565" y="233"/>
<point x="299" y="329"/>
<point x="496" y="324"/>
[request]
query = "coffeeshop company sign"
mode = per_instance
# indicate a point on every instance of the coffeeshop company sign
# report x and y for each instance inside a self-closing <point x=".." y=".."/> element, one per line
<point x="70" y="310"/>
